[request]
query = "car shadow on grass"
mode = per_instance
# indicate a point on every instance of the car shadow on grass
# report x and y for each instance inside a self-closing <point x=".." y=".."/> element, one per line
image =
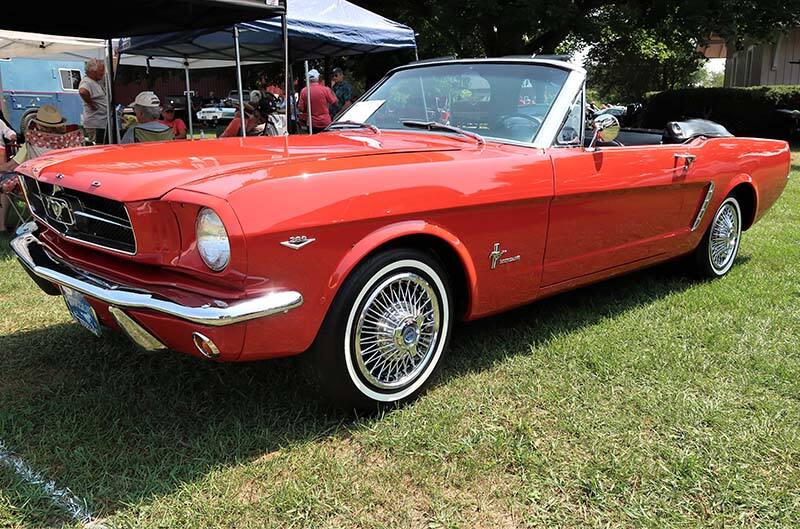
<point x="118" y="425"/>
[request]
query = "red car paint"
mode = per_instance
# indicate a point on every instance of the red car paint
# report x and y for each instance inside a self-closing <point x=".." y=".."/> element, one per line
<point x="573" y="216"/>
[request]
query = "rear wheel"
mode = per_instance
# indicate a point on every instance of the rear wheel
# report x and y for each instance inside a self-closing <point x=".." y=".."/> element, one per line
<point x="717" y="251"/>
<point x="385" y="332"/>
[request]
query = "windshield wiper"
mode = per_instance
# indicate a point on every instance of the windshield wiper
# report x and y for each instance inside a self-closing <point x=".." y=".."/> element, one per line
<point x="435" y="125"/>
<point x="353" y="125"/>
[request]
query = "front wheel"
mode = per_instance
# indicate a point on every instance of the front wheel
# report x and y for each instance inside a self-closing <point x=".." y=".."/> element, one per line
<point x="385" y="333"/>
<point x="717" y="251"/>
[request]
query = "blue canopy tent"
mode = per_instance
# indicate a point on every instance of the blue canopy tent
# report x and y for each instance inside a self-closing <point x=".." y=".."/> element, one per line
<point x="316" y="29"/>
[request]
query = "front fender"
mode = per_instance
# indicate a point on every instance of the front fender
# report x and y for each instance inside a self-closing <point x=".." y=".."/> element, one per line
<point x="395" y="232"/>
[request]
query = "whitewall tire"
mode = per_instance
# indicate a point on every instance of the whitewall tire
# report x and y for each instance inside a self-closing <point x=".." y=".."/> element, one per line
<point x="719" y="247"/>
<point x="385" y="333"/>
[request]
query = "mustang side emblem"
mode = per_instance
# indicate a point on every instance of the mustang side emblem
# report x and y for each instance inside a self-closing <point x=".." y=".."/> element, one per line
<point x="496" y="256"/>
<point x="295" y="243"/>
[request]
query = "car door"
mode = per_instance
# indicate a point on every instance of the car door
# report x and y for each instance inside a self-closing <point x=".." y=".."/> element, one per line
<point x="614" y="206"/>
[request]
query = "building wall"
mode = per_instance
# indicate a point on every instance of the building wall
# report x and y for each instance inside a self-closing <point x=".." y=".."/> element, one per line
<point x="203" y="82"/>
<point x="769" y="64"/>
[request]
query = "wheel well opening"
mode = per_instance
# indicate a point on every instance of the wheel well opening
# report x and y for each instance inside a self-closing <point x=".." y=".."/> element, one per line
<point x="746" y="196"/>
<point x="449" y="259"/>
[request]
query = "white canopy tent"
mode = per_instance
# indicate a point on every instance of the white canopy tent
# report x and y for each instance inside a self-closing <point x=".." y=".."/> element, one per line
<point x="16" y="44"/>
<point x="173" y="15"/>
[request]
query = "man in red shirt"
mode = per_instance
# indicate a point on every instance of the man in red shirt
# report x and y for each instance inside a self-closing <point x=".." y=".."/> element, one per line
<point x="321" y="98"/>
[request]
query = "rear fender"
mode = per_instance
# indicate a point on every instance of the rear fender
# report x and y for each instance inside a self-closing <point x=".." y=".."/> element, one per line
<point x="747" y="180"/>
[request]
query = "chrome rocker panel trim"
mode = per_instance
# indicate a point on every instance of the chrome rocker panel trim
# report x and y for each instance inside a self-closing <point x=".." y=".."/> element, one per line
<point x="40" y="262"/>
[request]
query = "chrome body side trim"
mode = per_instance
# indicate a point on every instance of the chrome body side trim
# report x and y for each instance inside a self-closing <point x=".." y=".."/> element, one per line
<point x="136" y="332"/>
<point x="704" y="207"/>
<point x="216" y="313"/>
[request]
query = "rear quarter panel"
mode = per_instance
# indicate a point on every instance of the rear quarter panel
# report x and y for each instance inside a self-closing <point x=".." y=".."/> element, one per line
<point x="729" y="162"/>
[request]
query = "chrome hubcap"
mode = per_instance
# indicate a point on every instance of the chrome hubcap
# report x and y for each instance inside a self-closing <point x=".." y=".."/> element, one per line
<point x="397" y="331"/>
<point x="724" y="239"/>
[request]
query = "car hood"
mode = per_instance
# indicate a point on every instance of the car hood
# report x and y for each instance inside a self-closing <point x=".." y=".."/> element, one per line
<point x="148" y="171"/>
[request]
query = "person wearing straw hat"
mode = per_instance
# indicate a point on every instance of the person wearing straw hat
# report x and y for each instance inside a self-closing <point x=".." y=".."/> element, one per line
<point x="47" y="132"/>
<point x="147" y="107"/>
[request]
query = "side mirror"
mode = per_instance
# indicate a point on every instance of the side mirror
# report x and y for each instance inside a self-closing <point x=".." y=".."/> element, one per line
<point x="606" y="129"/>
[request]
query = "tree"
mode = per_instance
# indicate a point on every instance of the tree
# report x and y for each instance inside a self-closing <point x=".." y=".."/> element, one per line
<point x="629" y="57"/>
<point x="636" y="45"/>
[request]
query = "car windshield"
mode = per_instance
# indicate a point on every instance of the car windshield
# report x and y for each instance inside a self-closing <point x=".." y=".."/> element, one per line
<point x="505" y="101"/>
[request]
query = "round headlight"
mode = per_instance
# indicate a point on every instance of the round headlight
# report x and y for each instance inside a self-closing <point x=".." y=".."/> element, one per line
<point x="212" y="240"/>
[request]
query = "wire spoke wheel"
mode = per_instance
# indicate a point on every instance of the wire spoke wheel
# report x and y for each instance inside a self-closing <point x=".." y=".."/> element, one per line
<point x="397" y="331"/>
<point x="724" y="237"/>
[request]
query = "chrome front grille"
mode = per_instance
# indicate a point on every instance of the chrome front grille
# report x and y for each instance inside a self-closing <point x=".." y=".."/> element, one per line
<point x="81" y="216"/>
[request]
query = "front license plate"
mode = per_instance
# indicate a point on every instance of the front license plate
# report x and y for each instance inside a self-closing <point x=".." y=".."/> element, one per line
<point x="81" y="311"/>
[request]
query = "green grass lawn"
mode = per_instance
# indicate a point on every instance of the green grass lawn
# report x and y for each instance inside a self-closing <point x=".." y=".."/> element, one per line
<point x="652" y="400"/>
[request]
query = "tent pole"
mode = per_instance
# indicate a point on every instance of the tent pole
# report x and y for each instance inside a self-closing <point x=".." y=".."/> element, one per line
<point x="111" y="114"/>
<point x="287" y="85"/>
<point x="239" y="80"/>
<point x="308" y="100"/>
<point x="189" y="110"/>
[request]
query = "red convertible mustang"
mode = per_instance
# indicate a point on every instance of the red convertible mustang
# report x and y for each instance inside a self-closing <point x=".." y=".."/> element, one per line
<point x="452" y="190"/>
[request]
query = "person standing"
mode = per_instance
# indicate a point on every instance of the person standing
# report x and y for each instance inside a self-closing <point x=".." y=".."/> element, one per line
<point x="321" y="99"/>
<point x="95" y="105"/>
<point x="343" y="92"/>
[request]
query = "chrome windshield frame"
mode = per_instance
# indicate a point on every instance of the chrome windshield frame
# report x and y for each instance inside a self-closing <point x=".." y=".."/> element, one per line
<point x="551" y="125"/>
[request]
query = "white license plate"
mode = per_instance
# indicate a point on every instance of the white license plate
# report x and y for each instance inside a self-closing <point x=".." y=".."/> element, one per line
<point x="81" y="311"/>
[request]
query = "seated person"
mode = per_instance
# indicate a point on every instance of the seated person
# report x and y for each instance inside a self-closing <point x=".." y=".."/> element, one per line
<point x="176" y="124"/>
<point x="147" y="108"/>
<point x="234" y="128"/>
<point x="7" y="134"/>
<point x="47" y="132"/>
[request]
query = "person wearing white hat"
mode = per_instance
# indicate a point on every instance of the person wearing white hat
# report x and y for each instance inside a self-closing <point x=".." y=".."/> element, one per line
<point x="147" y="107"/>
<point x="321" y="99"/>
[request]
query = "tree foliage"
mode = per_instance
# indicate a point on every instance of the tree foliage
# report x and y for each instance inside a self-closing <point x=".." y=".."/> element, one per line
<point x="635" y="46"/>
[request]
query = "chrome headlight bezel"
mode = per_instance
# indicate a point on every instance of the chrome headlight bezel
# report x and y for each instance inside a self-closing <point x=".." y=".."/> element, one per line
<point x="213" y="243"/>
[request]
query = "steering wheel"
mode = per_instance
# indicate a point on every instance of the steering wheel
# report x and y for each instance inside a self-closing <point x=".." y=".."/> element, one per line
<point x="532" y="119"/>
<point x="536" y="122"/>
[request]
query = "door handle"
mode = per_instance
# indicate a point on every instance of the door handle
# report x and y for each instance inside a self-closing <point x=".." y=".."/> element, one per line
<point x="688" y="159"/>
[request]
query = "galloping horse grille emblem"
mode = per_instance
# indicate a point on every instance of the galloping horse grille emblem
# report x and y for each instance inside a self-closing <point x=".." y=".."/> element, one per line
<point x="59" y="210"/>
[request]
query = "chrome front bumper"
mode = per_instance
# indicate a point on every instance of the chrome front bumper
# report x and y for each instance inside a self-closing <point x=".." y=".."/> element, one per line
<point x="42" y="264"/>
